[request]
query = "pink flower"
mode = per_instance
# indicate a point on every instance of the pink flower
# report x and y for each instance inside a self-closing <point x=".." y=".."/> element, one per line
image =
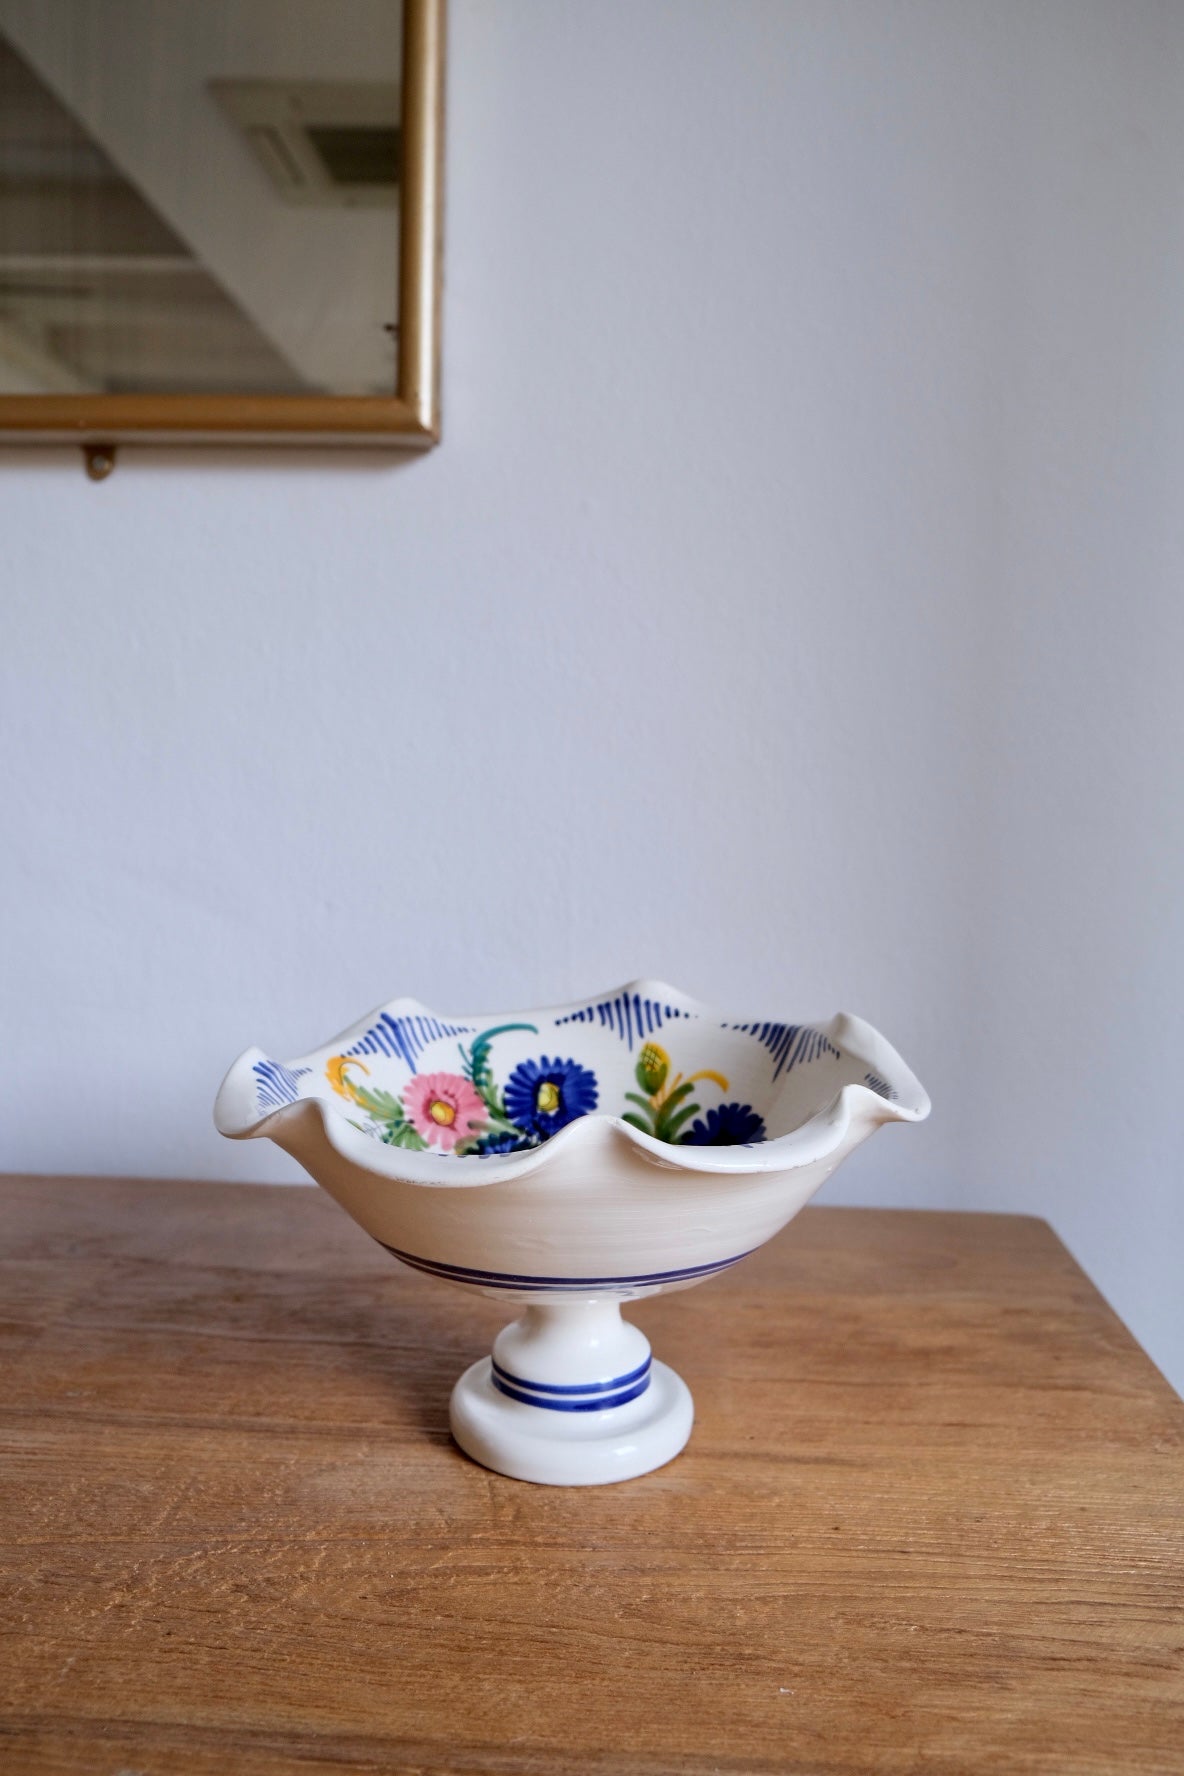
<point x="444" y="1109"/>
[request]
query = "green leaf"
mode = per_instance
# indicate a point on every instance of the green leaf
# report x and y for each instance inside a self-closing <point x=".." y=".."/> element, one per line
<point x="380" y="1104"/>
<point x="645" y="1120"/>
<point x="669" y="1109"/>
<point x="495" y="1104"/>
<point x="664" y="1116"/>
<point x="476" y="1062"/>
<point x="500" y="1125"/>
<point x="670" y="1129"/>
<point x="403" y="1135"/>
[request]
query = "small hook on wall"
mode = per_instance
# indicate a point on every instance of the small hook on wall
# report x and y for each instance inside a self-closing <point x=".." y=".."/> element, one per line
<point x="100" y="460"/>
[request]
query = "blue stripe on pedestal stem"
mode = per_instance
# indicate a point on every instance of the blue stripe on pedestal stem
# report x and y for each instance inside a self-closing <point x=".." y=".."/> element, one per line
<point x="574" y="1387"/>
<point x="575" y="1396"/>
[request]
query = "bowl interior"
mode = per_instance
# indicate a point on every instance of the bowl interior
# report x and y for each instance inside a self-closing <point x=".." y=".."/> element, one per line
<point x="509" y="1082"/>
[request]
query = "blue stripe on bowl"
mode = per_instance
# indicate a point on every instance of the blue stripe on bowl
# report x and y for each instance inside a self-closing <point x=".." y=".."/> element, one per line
<point x="572" y="1387"/>
<point x="405" y="1038"/>
<point x="790" y="1045"/>
<point x="277" y="1086"/>
<point x="632" y="1017"/>
<point x="501" y="1279"/>
<point x="602" y="1403"/>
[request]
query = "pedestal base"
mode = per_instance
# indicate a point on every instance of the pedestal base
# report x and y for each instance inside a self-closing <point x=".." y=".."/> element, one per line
<point x="558" y="1447"/>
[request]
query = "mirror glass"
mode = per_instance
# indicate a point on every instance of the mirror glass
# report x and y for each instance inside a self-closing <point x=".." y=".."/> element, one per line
<point x="199" y="196"/>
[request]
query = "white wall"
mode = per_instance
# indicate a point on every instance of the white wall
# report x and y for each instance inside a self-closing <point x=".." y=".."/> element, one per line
<point x="792" y="611"/>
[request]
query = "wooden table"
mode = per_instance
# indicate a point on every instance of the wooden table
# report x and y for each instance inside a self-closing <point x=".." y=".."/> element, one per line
<point x="930" y="1518"/>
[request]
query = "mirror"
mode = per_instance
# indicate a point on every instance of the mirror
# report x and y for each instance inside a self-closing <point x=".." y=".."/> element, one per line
<point x="219" y="217"/>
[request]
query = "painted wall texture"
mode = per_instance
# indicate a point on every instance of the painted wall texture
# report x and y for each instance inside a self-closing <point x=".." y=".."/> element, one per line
<point x="792" y="611"/>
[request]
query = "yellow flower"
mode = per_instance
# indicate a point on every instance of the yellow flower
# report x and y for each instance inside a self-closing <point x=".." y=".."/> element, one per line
<point x="336" y="1075"/>
<point x="653" y="1064"/>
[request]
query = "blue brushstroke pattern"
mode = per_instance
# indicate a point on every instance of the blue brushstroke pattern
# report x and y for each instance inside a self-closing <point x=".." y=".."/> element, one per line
<point x="791" y="1045"/>
<point x="628" y="1014"/>
<point x="405" y="1038"/>
<point x="277" y="1085"/>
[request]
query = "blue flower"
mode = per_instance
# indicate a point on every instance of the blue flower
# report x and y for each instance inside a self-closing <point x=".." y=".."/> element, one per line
<point x="732" y="1125"/>
<point x="503" y="1144"/>
<point x="543" y="1096"/>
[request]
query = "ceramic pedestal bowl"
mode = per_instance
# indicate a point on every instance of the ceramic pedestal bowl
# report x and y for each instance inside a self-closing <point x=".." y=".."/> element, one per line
<point x="565" y="1161"/>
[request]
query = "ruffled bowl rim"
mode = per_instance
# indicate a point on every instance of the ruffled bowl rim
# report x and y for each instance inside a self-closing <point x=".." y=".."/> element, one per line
<point x="236" y="1111"/>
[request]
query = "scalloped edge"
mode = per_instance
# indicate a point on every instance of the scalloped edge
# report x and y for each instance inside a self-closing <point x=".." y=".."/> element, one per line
<point x="236" y="1112"/>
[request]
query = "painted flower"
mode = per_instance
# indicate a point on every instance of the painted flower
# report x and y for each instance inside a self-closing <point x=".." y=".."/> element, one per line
<point x="444" y="1109"/>
<point x="503" y="1143"/>
<point x="653" y="1064"/>
<point x="732" y="1125"/>
<point x="543" y="1096"/>
<point x="339" y="1079"/>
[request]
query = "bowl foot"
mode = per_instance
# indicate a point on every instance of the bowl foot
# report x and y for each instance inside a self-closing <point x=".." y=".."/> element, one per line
<point x="558" y="1447"/>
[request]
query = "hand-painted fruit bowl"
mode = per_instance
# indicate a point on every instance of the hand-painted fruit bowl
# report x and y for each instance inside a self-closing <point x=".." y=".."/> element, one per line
<point x="567" y="1160"/>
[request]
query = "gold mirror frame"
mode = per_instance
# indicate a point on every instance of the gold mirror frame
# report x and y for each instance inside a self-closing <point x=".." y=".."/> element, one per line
<point x="409" y="419"/>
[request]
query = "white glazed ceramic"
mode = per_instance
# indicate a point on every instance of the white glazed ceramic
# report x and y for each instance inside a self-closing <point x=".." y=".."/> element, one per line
<point x="565" y="1161"/>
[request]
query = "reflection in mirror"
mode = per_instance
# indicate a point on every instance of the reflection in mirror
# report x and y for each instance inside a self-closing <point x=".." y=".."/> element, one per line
<point x="199" y="196"/>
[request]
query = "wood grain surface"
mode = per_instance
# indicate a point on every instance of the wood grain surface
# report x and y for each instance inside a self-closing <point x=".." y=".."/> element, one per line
<point x="931" y="1517"/>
